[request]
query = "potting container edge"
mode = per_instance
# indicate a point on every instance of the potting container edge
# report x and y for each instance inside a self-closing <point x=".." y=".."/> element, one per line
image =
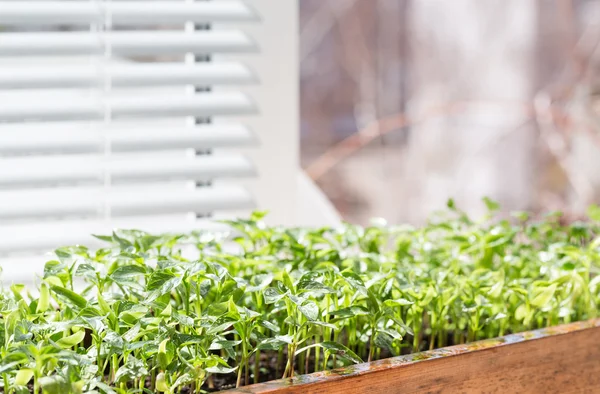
<point x="579" y="340"/>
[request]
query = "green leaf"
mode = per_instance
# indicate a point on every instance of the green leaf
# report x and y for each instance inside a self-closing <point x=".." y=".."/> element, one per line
<point x="187" y="378"/>
<point x="220" y="369"/>
<point x="275" y="343"/>
<point x="53" y="268"/>
<point x="221" y="324"/>
<point x="54" y="281"/>
<point x="104" y="307"/>
<point x="17" y="289"/>
<point x="260" y="282"/>
<point x="158" y="279"/>
<point x="44" y="300"/>
<point x="340" y="351"/>
<point x="288" y="282"/>
<point x="372" y="302"/>
<point x="71" y="340"/>
<point x="132" y="334"/>
<point x="520" y="215"/>
<point x="355" y="282"/>
<point x="310" y="310"/>
<point x="69" y="297"/>
<point x="86" y="270"/>
<point x="323" y="324"/>
<point x="55" y="385"/>
<point x="161" y="383"/>
<point x="384" y="341"/>
<point x="123" y="243"/>
<point x="128" y="272"/>
<point x="165" y="288"/>
<point x="451" y="204"/>
<point x="221" y="344"/>
<point x="233" y="310"/>
<point x="491" y="205"/>
<point x="594" y="284"/>
<point x="106" y="389"/>
<point x="496" y="290"/>
<point x="9" y="366"/>
<point x="268" y="325"/>
<point x="183" y="319"/>
<point x="256" y="216"/>
<point x="429" y="296"/>
<point x="544" y="297"/>
<point x="568" y="266"/>
<point x="352" y="311"/>
<point x="521" y="312"/>
<point x="23" y="377"/>
<point x="164" y="355"/>
<point x="398" y="302"/>
<point x="114" y="340"/>
<point x="133" y="315"/>
<point x="133" y="369"/>
<point x="10" y="361"/>
<point x="593" y="212"/>
<point x="105" y="238"/>
<point x="314" y="287"/>
<point x="272" y="295"/>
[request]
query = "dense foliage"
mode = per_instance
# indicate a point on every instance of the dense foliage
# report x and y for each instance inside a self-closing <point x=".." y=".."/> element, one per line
<point x="145" y="314"/>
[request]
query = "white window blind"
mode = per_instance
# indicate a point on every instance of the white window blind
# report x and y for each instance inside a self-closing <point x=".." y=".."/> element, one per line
<point x="124" y="114"/>
<point x="138" y="13"/>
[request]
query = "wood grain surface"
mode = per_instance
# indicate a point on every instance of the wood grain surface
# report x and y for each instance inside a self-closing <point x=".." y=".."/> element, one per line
<point x="563" y="359"/>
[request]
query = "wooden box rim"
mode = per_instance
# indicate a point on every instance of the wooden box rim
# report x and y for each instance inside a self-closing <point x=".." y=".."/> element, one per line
<point x="310" y="382"/>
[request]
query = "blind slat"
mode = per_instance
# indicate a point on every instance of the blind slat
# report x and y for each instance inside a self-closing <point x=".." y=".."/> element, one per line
<point x="72" y="163"/>
<point x="125" y="75"/>
<point x="32" y="107"/>
<point x="119" y="202"/>
<point x="122" y="12"/>
<point x="36" y="171"/>
<point x="130" y="43"/>
<point x="91" y="138"/>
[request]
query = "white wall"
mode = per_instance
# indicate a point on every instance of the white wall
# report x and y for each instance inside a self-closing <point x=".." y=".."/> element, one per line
<point x="277" y="95"/>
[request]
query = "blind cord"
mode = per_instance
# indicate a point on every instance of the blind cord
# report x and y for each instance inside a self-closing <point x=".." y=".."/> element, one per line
<point x="201" y="120"/>
<point x="102" y="28"/>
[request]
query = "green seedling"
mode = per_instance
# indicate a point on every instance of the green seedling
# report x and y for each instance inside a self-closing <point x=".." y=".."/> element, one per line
<point x="146" y="315"/>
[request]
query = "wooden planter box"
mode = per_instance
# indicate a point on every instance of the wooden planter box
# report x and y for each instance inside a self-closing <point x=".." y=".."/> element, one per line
<point x="562" y="359"/>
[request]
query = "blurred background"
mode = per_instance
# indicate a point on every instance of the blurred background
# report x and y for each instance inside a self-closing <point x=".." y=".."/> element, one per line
<point x="166" y="115"/>
<point x="405" y="103"/>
